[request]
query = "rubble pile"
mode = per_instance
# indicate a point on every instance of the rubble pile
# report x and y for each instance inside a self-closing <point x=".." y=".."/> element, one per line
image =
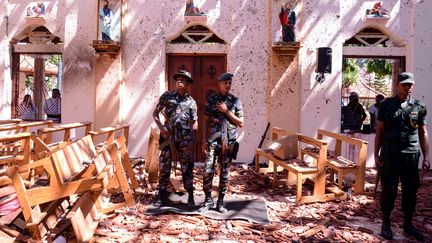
<point x="356" y="219"/>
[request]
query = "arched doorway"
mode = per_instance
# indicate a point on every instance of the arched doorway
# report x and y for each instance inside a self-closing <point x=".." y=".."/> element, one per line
<point x="371" y="61"/>
<point x="36" y="68"/>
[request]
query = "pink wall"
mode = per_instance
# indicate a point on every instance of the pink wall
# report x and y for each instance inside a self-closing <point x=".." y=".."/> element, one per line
<point x="281" y="91"/>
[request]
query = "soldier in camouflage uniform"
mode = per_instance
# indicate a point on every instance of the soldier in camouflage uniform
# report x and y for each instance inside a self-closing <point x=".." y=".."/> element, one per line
<point x="225" y="113"/>
<point x="179" y="131"/>
<point x="401" y="134"/>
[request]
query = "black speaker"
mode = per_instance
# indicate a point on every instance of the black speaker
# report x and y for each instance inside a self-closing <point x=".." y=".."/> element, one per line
<point x="324" y="60"/>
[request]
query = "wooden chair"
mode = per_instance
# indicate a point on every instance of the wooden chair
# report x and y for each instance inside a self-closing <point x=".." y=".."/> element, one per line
<point x="342" y="166"/>
<point x="68" y="176"/>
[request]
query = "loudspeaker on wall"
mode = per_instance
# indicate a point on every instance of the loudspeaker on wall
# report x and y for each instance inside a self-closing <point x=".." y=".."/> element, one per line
<point x="324" y="60"/>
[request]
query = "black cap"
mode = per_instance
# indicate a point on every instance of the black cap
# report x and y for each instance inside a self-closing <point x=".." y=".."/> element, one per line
<point x="184" y="74"/>
<point x="225" y="76"/>
<point x="406" y="78"/>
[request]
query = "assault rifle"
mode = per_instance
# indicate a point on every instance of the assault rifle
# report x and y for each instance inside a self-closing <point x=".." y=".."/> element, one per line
<point x="224" y="139"/>
<point x="170" y="142"/>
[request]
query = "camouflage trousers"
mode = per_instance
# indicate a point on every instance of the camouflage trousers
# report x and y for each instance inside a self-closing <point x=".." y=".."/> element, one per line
<point x="184" y="154"/>
<point x="214" y="155"/>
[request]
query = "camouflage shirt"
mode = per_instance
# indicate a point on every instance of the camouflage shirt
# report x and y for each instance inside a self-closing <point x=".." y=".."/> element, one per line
<point x="179" y="110"/>
<point x="215" y="117"/>
<point x="401" y="124"/>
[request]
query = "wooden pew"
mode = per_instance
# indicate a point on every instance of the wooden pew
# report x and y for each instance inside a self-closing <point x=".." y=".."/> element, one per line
<point x="276" y="133"/>
<point x="152" y="157"/>
<point x="25" y="126"/>
<point x="111" y="132"/>
<point x="342" y="166"/>
<point x="10" y="121"/>
<point x="119" y="134"/>
<point x="45" y="135"/>
<point x="69" y="176"/>
<point x="21" y="157"/>
<point x="301" y="170"/>
<point x="14" y="148"/>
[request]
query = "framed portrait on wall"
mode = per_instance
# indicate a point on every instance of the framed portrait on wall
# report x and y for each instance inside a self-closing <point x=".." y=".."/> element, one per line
<point x="109" y="20"/>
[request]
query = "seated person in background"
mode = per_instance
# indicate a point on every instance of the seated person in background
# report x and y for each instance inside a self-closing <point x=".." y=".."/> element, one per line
<point x="52" y="106"/>
<point x="353" y="114"/>
<point x="373" y="111"/>
<point x="27" y="109"/>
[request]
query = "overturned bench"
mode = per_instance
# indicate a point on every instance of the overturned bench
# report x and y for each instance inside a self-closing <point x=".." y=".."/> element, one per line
<point x="76" y="169"/>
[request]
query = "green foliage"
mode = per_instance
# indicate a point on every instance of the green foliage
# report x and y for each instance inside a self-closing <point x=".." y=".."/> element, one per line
<point x="350" y="72"/>
<point x="29" y="81"/>
<point x="381" y="67"/>
<point x="54" y="59"/>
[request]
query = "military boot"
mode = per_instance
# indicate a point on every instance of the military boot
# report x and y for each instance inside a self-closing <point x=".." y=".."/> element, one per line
<point x="208" y="203"/>
<point x="220" y="204"/>
<point x="191" y="201"/>
<point x="161" y="199"/>
<point x="386" y="231"/>
<point x="409" y="228"/>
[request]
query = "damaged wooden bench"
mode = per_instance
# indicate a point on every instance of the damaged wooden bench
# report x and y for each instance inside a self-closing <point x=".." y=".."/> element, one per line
<point x="45" y="135"/>
<point x="343" y="166"/>
<point x="73" y="170"/>
<point x="16" y="147"/>
<point x="10" y="121"/>
<point x="20" y="157"/>
<point x="118" y="134"/>
<point x="300" y="169"/>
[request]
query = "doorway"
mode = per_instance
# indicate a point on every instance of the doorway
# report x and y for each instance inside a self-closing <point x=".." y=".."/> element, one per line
<point x="368" y="78"/>
<point x="34" y="75"/>
<point x="36" y="69"/>
<point x="205" y="69"/>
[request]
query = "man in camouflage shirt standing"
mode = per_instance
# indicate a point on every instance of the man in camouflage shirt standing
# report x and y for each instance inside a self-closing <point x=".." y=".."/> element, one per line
<point x="179" y="132"/>
<point x="225" y="113"/>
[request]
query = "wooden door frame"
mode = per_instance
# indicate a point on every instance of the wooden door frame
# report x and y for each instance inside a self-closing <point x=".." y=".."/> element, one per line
<point x="195" y="73"/>
<point x="168" y="55"/>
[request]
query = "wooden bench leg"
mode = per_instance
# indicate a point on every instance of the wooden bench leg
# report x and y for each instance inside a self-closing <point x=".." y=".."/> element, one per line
<point x="340" y="178"/>
<point x="359" y="182"/>
<point x="299" y="187"/>
<point x="257" y="159"/>
<point x="331" y="176"/>
<point x="275" y="174"/>
<point x="291" y="178"/>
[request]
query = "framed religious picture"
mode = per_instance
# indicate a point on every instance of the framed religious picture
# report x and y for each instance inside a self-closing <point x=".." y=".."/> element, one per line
<point x="109" y="21"/>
